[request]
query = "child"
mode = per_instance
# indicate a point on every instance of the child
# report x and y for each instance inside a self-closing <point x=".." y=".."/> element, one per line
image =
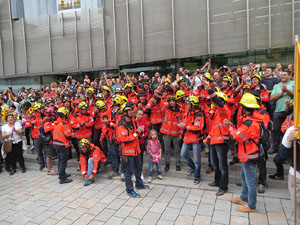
<point x="154" y="150"/>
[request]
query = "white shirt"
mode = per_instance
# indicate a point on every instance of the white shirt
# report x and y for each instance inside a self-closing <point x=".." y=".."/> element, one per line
<point x="197" y="83"/>
<point x="15" y="137"/>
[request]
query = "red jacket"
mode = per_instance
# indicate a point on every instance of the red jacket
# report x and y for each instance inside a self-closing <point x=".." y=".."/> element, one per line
<point x="82" y="131"/>
<point x="194" y="123"/>
<point x="48" y="124"/>
<point x="171" y="118"/>
<point x="94" y="153"/>
<point x="61" y="133"/>
<point x="145" y="133"/>
<point x="35" y="127"/>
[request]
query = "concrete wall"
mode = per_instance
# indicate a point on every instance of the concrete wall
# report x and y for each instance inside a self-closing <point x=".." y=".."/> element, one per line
<point x="136" y="31"/>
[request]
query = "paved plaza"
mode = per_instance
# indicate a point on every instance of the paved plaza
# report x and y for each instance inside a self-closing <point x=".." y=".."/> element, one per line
<point x="36" y="198"/>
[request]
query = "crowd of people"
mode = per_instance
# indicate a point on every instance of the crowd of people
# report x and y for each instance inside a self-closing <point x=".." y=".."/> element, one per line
<point x="121" y="120"/>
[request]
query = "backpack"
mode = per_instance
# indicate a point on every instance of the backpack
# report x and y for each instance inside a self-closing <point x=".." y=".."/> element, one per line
<point x="44" y="137"/>
<point x="264" y="140"/>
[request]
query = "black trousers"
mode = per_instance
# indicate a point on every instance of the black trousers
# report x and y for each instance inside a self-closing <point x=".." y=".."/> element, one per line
<point x="16" y="155"/>
<point x="278" y="119"/>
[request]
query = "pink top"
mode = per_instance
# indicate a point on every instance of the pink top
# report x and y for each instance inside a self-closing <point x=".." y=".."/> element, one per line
<point x="142" y="123"/>
<point x="154" y="149"/>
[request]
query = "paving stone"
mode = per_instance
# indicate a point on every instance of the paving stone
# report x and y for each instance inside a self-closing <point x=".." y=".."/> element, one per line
<point x="96" y="223"/>
<point x="139" y="212"/>
<point x="273" y="205"/>
<point x="42" y="217"/>
<point x="184" y="220"/>
<point x="150" y="218"/>
<point x="21" y="221"/>
<point x="182" y="193"/>
<point x="193" y="199"/>
<point x="224" y="205"/>
<point x="98" y="207"/>
<point x="276" y="218"/>
<point x="58" y="206"/>
<point x="114" y="221"/>
<point x="130" y="221"/>
<point x="158" y="207"/>
<point x="124" y="211"/>
<point x="258" y="219"/>
<point x="235" y="212"/>
<point x="65" y="222"/>
<point x="208" y="198"/>
<point x="75" y="214"/>
<point x="188" y="210"/>
<point x="108" y="199"/>
<point x="62" y="213"/>
<point x="133" y="202"/>
<point x="105" y="215"/>
<point x="238" y="220"/>
<point x="205" y="209"/>
<point x="165" y="222"/>
<point x="84" y="219"/>
<point x="49" y="221"/>
<point x="147" y="201"/>
<point x="221" y="217"/>
<point x="116" y="204"/>
<point x="165" y="197"/>
<point x="177" y="203"/>
<point x="202" y="220"/>
<point x="170" y="214"/>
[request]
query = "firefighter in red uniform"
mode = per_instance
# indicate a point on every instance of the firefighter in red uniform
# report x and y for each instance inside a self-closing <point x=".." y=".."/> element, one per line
<point x="143" y="106"/>
<point x="128" y="134"/>
<point x="256" y="85"/>
<point x="61" y="142"/>
<point x="129" y="93"/>
<point x="48" y="124"/>
<point x="90" y="156"/>
<point x="182" y="86"/>
<point x="36" y="122"/>
<point x="193" y="124"/>
<point x="218" y="139"/>
<point x="91" y="98"/>
<point x="82" y="123"/>
<point x="247" y="135"/>
<point x="107" y="96"/>
<point x="172" y="116"/>
<point x="146" y="85"/>
<point x="180" y="99"/>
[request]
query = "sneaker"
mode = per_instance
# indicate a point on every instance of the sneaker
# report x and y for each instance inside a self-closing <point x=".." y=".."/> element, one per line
<point x="143" y="186"/>
<point x="159" y="177"/>
<point x="245" y="209"/>
<point x="178" y="168"/>
<point x="122" y="177"/>
<point x="209" y="170"/>
<point x="12" y="172"/>
<point x="42" y="167"/>
<point x="167" y="167"/>
<point x="149" y="179"/>
<point x="133" y="194"/>
<point x="65" y="181"/>
<point x="239" y="201"/>
<point x="276" y="177"/>
<point x="88" y="182"/>
<point x="196" y="181"/>
<point x="52" y="173"/>
<point x="261" y="188"/>
<point x="112" y="175"/>
<point x="220" y="192"/>
<point x="190" y="172"/>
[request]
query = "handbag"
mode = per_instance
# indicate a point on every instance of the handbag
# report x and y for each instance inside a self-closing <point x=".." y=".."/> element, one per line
<point x="7" y="146"/>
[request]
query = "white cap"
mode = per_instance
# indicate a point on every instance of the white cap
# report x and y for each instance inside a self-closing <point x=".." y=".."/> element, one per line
<point x="142" y="74"/>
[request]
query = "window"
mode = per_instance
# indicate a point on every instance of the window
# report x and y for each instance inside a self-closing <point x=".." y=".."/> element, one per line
<point x="68" y="5"/>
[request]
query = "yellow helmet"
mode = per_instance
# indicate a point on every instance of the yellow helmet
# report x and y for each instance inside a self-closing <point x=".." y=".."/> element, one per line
<point x="193" y="100"/>
<point x="90" y="91"/>
<point x="248" y="100"/>
<point x="100" y="96"/>
<point x="179" y="79"/>
<point x="62" y="111"/>
<point x="207" y="76"/>
<point x="84" y="143"/>
<point x="126" y="106"/>
<point x="256" y="76"/>
<point x="118" y="100"/>
<point x="180" y="94"/>
<point x="222" y="95"/>
<point x="106" y="88"/>
<point x="128" y="85"/>
<point x="100" y="104"/>
<point x="227" y="78"/>
<point x="246" y="86"/>
<point x="37" y="106"/>
<point x="124" y="98"/>
<point x="168" y="80"/>
<point x="82" y="105"/>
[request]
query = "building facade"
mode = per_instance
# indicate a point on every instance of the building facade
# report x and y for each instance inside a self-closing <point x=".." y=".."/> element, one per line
<point x="42" y="39"/>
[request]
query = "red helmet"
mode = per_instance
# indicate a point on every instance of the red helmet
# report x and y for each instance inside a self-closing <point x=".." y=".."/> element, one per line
<point x="50" y="110"/>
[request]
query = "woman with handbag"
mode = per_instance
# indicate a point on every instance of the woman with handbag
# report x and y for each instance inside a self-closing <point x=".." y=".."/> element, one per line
<point x="12" y="146"/>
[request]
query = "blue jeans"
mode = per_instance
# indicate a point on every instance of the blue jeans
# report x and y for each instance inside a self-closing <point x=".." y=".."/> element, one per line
<point x="218" y="156"/>
<point x="113" y="155"/>
<point x="38" y="146"/>
<point x="196" y="164"/>
<point x="248" y="175"/>
<point x="133" y="165"/>
<point x="150" y="169"/>
<point x="63" y="155"/>
<point x="90" y="166"/>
